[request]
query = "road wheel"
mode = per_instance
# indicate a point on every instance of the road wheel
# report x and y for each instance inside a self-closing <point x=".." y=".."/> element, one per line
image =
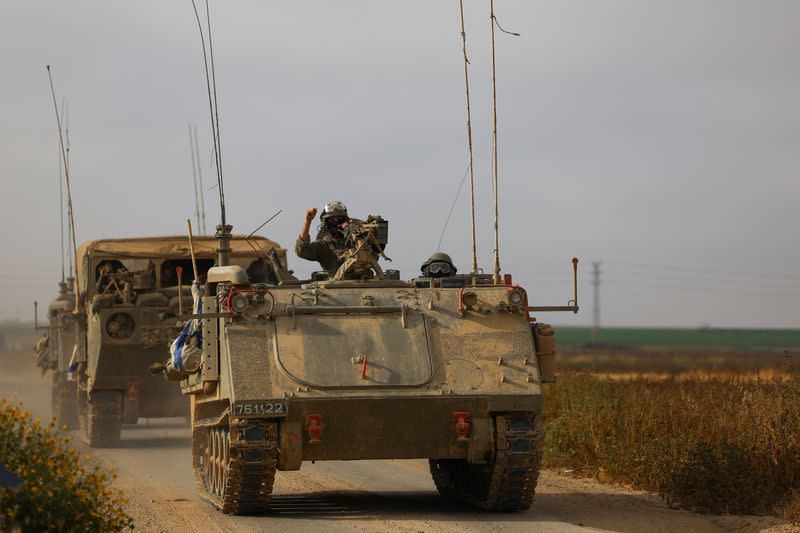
<point x="215" y="461"/>
<point x="104" y="420"/>
<point x="226" y="454"/>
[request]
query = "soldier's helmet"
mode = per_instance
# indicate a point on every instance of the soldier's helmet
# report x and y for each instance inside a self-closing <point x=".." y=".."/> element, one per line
<point x="438" y="265"/>
<point x="334" y="209"/>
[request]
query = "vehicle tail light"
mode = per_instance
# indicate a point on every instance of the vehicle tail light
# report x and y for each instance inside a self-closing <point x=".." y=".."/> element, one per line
<point x="461" y="422"/>
<point x="314" y="427"/>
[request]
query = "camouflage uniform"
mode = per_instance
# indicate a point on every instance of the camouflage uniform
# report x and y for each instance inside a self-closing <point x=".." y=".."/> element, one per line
<point x="325" y="249"/>
<point x="41" y="352"/>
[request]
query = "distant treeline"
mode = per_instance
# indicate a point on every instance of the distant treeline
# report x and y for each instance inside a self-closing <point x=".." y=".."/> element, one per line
<point x="700" y="337"/>
<point x="8" y="327"/>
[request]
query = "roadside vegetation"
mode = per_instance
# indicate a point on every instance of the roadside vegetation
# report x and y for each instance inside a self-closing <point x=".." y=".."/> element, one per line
<point x="61" y="491"/>
<point x="717" y="445"/>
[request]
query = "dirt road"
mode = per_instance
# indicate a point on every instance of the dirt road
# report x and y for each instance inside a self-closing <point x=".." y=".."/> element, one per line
<point x="154" y="469"/>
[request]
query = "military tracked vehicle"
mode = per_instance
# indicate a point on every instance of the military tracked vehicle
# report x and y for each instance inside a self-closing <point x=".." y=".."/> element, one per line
<point x="446" y="369"/>
<point x="127" y="315"/>
<point x="54" y="350"/>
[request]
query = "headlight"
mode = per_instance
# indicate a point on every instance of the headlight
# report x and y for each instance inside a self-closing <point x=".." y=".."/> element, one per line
<point x="469" y="299"/>
<point x="239" y="303"/>
<point x="120" y="326"/>
<point x="251" y="303"/>
<point x="516" y="297"/>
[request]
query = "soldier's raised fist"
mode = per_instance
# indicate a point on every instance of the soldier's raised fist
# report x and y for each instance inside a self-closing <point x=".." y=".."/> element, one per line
<point x="310" y="214"/>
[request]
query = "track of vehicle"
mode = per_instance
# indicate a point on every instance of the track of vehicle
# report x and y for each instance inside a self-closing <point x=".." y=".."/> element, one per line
<point x="235" y="465"/>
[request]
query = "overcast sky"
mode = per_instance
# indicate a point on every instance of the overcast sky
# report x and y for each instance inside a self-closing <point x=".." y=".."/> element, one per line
<point x="659" y="138"/>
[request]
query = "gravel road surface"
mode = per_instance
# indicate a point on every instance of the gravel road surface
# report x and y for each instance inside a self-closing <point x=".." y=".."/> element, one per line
<point x="154" y="469"/>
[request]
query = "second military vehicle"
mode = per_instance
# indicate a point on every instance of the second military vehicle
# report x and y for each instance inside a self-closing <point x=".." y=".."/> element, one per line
<point x="54" y="350"/>
<point x="446" y="369"/>
<point x="127" y="316"/>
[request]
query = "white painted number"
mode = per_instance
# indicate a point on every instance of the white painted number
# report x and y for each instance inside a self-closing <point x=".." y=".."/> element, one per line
<point x="265" y="408"/>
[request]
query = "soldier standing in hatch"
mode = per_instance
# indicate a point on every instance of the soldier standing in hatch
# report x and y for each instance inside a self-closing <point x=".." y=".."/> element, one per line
<point x="439" y="265"/>
<point x="330" y="241"/>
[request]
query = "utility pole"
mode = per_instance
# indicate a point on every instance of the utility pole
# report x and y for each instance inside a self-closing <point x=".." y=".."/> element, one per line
<point x="596" y="306"/>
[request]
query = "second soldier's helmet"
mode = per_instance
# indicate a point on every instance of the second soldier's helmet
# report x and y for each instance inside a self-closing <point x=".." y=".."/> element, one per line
<point x="334" y="209"/>
<point x="438" y="265"/>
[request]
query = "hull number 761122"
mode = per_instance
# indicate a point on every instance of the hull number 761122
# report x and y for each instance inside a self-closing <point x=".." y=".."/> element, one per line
<point x="260" y="408"/>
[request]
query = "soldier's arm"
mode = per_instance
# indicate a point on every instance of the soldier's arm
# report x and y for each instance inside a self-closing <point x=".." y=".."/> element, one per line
<point x="306" y="249"/>
<point x="310" y="214"/>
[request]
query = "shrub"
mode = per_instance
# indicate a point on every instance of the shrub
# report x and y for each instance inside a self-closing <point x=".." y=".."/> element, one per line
<point x="720" y="446"/>
<point x="61" y="492"/>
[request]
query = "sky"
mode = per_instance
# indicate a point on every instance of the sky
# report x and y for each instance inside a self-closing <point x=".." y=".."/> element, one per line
<point x="660" y="139"/>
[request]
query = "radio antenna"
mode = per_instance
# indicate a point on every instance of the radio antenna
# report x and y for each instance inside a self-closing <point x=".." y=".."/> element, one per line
<point x="264" y="224"/>
<point x="469" y="138"/>
<point x="211" y="80"/>
<point x="202" y="227"/>
<point x="493" y="22"/>
<point x="216" y="108"/>
<point x="494" y="155"/>
<point x="70" y="211"/>
<point x="194" y="179"/>
<point x="68" y="148"/>
<point x="61" y="204"/>
<point x="254" y="244"/>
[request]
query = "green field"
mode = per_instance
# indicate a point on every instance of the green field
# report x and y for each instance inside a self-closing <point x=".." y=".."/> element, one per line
<point x="716" y="338"/>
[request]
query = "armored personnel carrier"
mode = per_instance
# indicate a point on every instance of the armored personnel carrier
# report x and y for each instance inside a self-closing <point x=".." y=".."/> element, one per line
<point x="54" y="350"/>
<point x="446" y="369"/>
<point x="127" y="315"/>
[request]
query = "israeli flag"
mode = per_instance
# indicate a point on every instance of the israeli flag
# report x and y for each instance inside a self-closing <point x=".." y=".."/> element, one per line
<point x="182" y="347"/>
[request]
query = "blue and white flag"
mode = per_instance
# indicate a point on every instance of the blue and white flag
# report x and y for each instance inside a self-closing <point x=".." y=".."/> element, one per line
<point x="187" y="349"/>
<point x="73" y="364"/>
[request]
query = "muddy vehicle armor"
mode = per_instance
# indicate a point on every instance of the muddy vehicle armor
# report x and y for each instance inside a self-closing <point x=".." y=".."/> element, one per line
<point x="441" y="369"/>
<point x="54" y="352"/>
<point x="132" y="291"/>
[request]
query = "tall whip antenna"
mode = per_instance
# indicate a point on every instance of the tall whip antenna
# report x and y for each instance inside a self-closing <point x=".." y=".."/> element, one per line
<point x="212" y="105"/>
<point x="68" y="148"/>
<point x="469" y="138"/>
<point x="216" y="110"/>
<point x="494" y="155"/>
<point x="69" y="190"/>
<point x="202" y="228"/>
<point x="61" y="203"/>
<point x="493" y="22"/>
<point x="194" y="179"/>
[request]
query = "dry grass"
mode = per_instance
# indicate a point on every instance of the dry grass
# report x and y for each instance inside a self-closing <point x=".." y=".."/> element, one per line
<point x="767" y="374"/>
<point x="670" y="360"/>
<point x="720" y="445"/>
